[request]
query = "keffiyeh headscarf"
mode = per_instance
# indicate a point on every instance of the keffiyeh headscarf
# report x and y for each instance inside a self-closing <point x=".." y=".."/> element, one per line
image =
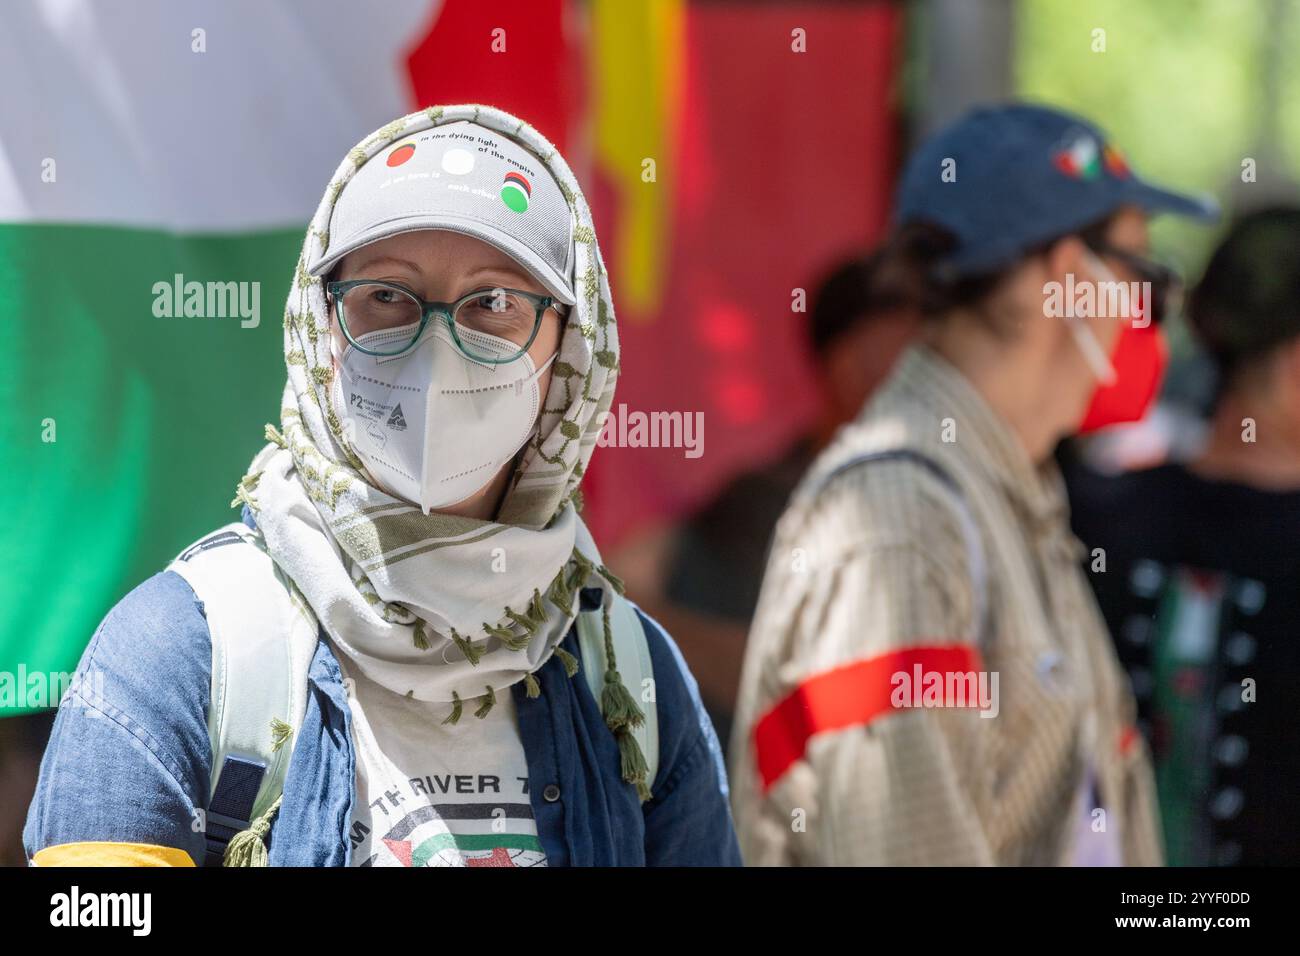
<point x="435" y="607"/>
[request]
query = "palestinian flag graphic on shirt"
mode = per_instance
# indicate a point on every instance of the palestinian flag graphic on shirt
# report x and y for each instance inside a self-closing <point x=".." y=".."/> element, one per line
<point x="406" y="826"/>
<point x="423" y="837"/>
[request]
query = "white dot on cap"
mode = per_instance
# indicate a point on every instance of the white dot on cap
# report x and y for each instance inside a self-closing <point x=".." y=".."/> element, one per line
<point x="458" y="162"/>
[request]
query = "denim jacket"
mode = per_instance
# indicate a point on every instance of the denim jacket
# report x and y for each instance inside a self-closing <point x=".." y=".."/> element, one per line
<point x="127" y="765"/>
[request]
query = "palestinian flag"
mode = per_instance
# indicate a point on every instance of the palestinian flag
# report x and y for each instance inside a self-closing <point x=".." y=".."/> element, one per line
<point x="157" y="173"/>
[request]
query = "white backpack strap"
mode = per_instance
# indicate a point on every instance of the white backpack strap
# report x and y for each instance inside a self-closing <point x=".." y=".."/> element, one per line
<point x="263" y="639"/>
<point x="632" y="655"/>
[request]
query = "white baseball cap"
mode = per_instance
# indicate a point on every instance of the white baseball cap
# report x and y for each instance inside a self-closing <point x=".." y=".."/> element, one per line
<point x="464" y="178"/>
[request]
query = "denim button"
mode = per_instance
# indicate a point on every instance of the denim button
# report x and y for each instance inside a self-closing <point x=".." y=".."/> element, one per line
<point x="551" y="793"/>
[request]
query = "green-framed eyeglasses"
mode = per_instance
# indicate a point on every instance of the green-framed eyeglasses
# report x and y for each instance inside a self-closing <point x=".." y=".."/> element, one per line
<point x="492" y="325"/>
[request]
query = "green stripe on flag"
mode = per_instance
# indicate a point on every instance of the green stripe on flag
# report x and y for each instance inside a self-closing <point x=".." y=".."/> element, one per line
<point x="154" y="419"/>
<point x="472" y="842"/>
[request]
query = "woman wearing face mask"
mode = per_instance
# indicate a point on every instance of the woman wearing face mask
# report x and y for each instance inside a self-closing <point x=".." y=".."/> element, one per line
<point x="411" y="606"/>
<point x="928" y="680"/>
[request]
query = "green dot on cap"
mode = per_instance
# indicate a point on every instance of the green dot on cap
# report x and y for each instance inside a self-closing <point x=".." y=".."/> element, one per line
<point x="514" y="197"/>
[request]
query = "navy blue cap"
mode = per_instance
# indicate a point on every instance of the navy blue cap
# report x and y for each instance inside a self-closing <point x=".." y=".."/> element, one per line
<point x="1021" y="175"/>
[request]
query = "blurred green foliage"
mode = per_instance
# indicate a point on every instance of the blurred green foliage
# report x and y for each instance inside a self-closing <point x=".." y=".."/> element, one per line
<point x="1181" y="88"/>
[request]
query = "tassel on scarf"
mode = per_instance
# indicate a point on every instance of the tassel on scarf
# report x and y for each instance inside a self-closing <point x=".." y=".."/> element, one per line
<point x="622" y="713"/>
<point x="523" y="620"/>
<point x="559" y="594"/>
<point x="616" y="701"/>
<point x="489" y="701"/>
<point x="537" y="610"/>
<point x="632" y="764"/>
<point x="454" y="716"/>
<point x="418" y="636"/>
<point x="532" y="687"/>
<point x="568" y="660"/>
<point x="513" y="641"/>
<point x="582" y="568"/>
<point x="467" y="647"/>
<point x="618" y="705"/>
<point x="280" y="732"/>
<point x="244" y="492"/>
<point x="614" y="580"/>
<point x="248" y="847"/>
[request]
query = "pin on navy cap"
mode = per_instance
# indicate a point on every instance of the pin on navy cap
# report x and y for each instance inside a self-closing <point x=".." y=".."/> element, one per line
<point x="1004" y="179"/>
<point x="464" y="178"/>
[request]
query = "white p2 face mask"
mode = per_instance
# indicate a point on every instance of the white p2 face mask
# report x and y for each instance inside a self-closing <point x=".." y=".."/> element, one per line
<point x="432" y="426"/>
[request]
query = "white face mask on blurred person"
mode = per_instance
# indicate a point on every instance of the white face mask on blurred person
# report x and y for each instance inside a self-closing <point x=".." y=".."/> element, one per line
<point x="1098" y="361"/>
<point x="430" y="424"/>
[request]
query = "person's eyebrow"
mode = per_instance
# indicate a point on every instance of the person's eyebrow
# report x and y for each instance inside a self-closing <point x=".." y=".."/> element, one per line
<point x="497" y="270"/>
<point x="407" y="263"/>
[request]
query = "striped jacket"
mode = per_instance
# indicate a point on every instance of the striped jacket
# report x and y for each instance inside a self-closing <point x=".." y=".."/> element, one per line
<point x="917" y="693"/>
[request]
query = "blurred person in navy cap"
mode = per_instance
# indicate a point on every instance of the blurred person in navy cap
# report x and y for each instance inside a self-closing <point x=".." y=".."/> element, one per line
<point x="928" y="679"/>
<point x="1198" y="583"/>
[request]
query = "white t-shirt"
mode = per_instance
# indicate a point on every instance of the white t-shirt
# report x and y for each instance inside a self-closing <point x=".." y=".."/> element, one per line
<point x="434" y="794"/>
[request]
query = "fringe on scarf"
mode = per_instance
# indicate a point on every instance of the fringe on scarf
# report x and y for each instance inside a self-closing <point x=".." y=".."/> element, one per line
<point x="248" y="847"/>
<point x="619" y="708"/>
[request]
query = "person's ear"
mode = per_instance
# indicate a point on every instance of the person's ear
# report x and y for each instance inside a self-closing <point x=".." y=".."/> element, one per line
<point x="330" y="301"/>
<point x="1070" y="256"/>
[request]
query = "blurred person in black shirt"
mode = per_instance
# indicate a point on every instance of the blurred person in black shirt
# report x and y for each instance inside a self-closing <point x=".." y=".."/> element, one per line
<point x="1201" y="579"/>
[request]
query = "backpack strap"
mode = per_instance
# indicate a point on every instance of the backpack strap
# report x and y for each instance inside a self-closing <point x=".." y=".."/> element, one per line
<point x="632" y="655"/>
<point x="263" y="637"/>
<point x="975" y="559"/>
